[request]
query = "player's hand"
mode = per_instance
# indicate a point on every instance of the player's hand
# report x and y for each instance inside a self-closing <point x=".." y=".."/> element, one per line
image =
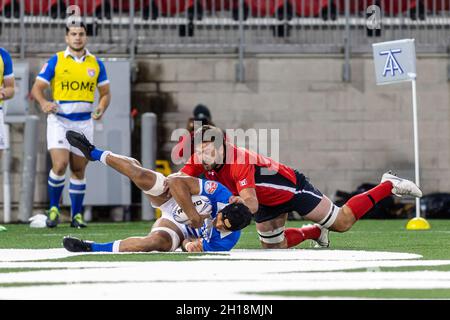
<point x="236" y="199"/>
<point x="2" y="94"/>
<point x="197" y="222"/>
<point x="49" y="107"/>
<point x="194" y="246"/>
<point x="97" y="114"/>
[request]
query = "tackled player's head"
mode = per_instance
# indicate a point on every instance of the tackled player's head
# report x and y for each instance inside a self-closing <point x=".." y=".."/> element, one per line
<point x="76" y="37"/>
<point x="209" y="146"/>
<point x="233" y="217"/>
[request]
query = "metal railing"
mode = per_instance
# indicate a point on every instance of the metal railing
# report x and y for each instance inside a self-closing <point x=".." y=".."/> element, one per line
<point x="262" y="26"/>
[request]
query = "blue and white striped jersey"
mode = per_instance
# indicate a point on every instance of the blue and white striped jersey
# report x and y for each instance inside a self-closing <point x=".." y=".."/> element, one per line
<point x="213" y="239"/>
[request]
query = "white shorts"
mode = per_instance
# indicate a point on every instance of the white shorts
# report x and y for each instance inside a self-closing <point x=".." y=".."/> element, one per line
<point x="57" y="128"/>
<point x="166" y="213"/>
<point x="3" y="143"/>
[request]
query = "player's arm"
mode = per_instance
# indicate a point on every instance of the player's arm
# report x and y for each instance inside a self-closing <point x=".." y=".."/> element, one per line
<point x="182" y="188"/>
<point x="38" y="94"/>
<point x="7" y="92"/>
<point x="104" y="92"/>
<point x="42" y="83"/>
<point x="248" y="197"/>
<point x="244" y="178"/>
<point x="103" y="102"/>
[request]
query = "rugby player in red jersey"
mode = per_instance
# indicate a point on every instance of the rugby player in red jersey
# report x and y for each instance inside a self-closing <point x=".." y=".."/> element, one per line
<point x="270" y="190"/>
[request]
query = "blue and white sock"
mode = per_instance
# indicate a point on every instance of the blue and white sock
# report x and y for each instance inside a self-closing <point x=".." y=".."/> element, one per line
<point x="106" y="247"/>
<point x="99" y="155"/>
<point x="77" y="189"/>
<point x="55" y="188"/>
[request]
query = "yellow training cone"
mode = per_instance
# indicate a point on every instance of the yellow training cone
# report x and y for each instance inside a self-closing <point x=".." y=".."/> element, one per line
<point x="418" y="224"/>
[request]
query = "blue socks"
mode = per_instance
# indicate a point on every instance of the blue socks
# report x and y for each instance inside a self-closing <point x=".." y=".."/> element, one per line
<point x="77" y="189"/>
<point x="55" y="188"/>
<point x="96" y="154"/>
<point x="102" y="247"/>
<point x="106" y="247"/>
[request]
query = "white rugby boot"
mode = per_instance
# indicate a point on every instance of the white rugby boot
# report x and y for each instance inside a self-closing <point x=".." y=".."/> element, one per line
<point x="323" y="241"/>
<point x="402" y="187"/>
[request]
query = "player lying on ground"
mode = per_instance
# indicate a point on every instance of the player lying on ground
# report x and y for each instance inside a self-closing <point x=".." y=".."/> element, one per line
<point x="271" y="189"/>
<point x="218" y="230"/>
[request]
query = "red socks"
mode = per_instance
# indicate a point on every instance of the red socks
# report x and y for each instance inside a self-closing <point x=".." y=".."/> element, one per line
<point x="359" y="205"/>
<point x="363" y="202"/>
<point x="295" y="236"/>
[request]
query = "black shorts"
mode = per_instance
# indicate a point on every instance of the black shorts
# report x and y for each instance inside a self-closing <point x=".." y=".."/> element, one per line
<point x="306" y="198"/>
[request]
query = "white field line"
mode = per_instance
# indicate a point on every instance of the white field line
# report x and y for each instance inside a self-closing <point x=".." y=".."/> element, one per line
<point x="218" y="290"/>
<point x="257" y="254"/>
<point x="281" y="270"/>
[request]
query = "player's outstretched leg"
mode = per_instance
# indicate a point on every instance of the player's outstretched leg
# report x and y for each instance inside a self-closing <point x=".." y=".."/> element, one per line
<point x="329" y="216"/>
<point x="160" y="239"/>
<point x="390" y="184"/>
<point x="149" y="181"/>
<point x="77" y="245"/>
<point x="79" y="140"/>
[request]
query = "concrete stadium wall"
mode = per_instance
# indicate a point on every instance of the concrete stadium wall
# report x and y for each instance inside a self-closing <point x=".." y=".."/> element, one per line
<point x="339" y="134"/>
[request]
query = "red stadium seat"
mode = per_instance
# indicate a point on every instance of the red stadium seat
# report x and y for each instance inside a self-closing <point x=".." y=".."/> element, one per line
<point x="437" y="5"/>
<point x="356" y="6"/>
<point x="264" y="8"/>
<point x="92" y="7"/>
<point x="148" y="7"/>
<point x="173" y="7"/>
<point x="9" y="8"/>
<point x="389" y="8"/>
<point x="214" y="6"/>
<point x="43" y="7"/>
<point x="398" y="7"/>
<point x="219" y="5"/>
<point x="126" y="5"/>
<point x="169" y="8"/>
<point x="314" y="8"/>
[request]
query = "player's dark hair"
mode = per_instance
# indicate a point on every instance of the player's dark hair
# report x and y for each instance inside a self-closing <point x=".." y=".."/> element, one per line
<point x="238" y="216"/>
<point x="80" y="25"/>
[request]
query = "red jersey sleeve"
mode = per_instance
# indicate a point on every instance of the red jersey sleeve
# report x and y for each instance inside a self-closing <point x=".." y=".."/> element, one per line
<point x="191" y="168"/>
<point x="244" y="176"/>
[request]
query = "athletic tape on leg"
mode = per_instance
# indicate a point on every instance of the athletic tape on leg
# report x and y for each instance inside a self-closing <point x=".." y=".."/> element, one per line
<point x="159" y="186"/>
<point x="331" y="217"/>
<point x="173" y="235"/>
<point x="272" y="237"/>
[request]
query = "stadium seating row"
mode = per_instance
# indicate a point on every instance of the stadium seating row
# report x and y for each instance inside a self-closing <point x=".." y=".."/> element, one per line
<point x="256" y="8"/>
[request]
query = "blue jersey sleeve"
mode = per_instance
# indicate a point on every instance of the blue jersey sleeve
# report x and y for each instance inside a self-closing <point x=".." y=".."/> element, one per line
<point x="102" y="77"/>
<point x="217" y="243"/>
<point x="214" y="191"/>
<point x="48" y="70"/>
<point x="7" y="63"/>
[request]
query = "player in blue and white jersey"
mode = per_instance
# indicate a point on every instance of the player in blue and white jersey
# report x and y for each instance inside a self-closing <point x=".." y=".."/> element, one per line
<point x="73" y="75"/>
<point x="217" y="230"/>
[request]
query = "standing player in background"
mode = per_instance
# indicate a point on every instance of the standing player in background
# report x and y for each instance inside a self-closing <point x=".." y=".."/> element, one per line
<point x="6" y="90"/>
<point x="73" y="76"/>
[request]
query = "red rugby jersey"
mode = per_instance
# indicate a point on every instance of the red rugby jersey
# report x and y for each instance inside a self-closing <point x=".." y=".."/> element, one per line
<point x="274" y="182"/>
